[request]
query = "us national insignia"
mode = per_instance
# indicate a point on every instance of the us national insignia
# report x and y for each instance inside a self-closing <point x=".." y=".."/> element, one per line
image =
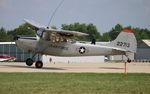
<point x="82" y="50"/>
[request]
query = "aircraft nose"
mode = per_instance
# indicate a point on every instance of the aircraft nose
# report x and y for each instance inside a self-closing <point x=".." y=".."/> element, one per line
<point x="17" y="41"/>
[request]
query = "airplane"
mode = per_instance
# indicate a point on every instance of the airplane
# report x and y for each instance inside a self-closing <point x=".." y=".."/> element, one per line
<point x="62" y="43"/>
<point x="4" y="57"/>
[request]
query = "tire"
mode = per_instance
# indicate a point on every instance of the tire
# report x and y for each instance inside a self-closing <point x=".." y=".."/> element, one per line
<point x="39" y="64"/>
<point x="129" y="61"/>
<point x="29" y="62"/>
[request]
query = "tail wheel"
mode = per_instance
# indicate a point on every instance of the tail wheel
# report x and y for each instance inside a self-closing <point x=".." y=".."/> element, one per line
<point x="39" y="64"/>
<point x="29" y="62"/>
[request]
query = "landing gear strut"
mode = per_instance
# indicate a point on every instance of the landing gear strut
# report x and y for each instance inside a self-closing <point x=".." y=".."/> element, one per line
<point x="128" y="59"/>
<point x="125" y="63"/>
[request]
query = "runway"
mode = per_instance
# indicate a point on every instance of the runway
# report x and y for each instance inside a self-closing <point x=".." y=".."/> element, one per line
<point x="77" y="67"/>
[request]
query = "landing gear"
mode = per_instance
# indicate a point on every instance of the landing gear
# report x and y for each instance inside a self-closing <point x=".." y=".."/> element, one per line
<point x="29" y="62"/>
<point x="39" y="64"/>
<point x="129" y="60"/>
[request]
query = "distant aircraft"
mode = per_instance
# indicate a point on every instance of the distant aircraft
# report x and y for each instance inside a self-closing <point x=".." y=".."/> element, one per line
<point x="4" y="57"/>
<point x="61" y="43"/>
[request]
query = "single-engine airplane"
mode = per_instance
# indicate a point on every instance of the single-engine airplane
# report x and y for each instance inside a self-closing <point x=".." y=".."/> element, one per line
<point x="62" y="43"/>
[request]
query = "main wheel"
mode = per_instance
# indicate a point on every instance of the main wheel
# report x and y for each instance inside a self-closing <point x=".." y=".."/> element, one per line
<point x="39" y="64"/>
<point x="29" y="62"/>
<point x="129" y="60"/>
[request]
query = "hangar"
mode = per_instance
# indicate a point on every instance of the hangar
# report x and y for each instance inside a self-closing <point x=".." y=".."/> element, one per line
<point x="143" y="51"/>
<point x="9" y="48"/>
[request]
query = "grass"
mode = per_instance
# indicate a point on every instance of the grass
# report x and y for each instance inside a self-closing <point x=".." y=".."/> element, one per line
<point x="74" y="83"/>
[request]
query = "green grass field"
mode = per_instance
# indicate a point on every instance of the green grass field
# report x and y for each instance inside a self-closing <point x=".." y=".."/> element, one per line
<point x="74" y="83"/>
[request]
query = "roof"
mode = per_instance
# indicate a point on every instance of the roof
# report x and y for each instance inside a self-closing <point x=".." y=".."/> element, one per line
<point x="147" y="42"/>
<point x="7" y="42"/>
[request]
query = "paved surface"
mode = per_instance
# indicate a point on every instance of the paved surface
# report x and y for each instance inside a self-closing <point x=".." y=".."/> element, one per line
<point x="77" y="67"/>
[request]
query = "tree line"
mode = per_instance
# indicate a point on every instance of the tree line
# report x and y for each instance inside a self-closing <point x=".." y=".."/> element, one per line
<point x="26" y="29"/>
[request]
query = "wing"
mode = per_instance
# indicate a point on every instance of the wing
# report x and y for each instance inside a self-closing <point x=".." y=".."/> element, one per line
<point x="34" y="24"/>
<point x="66" y="33"/>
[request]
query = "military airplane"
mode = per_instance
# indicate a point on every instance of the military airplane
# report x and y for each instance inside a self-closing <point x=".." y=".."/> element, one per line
<point x="62" y="43"/>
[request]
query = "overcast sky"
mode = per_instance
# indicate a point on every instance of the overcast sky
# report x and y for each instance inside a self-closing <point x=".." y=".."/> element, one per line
<point x="105" y="14"/>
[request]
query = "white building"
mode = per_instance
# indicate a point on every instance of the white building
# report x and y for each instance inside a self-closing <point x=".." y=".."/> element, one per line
<point x="84" y="59"/>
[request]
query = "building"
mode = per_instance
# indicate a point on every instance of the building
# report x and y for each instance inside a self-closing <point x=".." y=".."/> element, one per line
<point x="84" y="59"/>
<point x="9" y="48"/>
<point x="121" y="57"/>
<point x="143" y="51"/>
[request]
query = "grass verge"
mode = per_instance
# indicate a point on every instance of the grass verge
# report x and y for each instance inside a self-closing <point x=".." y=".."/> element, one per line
<point x="74" y="83"/>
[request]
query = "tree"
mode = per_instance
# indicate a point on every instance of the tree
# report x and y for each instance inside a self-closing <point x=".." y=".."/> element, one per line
<point x="3" y="35"/>
<point x="54" y="27"/>
<point x="113" y="33"/>
<point x="139" y="33"/>
<point x="106" y="37"/>
<point x="85" y="28"/>
<point x="24" y="29"/>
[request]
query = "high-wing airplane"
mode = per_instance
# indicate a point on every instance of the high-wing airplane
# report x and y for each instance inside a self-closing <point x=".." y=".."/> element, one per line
<point x="61" y="43"/>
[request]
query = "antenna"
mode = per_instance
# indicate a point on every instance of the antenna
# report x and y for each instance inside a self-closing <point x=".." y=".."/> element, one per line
<point x="54" y="13"/>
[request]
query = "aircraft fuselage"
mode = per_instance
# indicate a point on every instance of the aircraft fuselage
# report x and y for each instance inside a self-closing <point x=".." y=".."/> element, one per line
<point x="65" y="48"/>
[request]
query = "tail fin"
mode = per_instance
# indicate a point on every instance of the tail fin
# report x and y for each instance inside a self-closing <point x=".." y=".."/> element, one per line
<point x="125" y="41"/>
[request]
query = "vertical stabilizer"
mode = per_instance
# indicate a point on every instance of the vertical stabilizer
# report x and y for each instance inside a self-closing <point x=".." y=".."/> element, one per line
<point x="125" y="41"/>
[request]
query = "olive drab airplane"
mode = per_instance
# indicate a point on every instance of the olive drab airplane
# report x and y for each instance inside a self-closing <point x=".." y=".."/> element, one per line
<point x="62" y="43"/>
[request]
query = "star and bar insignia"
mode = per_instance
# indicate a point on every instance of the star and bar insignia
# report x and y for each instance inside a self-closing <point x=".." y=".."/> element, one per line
<point x="82" y="50"/>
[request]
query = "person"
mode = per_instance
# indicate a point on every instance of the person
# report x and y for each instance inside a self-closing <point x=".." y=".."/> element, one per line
<point x="93" y="41"/>
<point x="50" y="59"/>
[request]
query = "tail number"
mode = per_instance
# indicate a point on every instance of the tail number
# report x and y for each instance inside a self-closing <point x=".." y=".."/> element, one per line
<point x="123" y="44"/>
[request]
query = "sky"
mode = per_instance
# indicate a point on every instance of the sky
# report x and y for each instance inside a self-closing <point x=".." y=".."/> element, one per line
<point x="105" y="14"/>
